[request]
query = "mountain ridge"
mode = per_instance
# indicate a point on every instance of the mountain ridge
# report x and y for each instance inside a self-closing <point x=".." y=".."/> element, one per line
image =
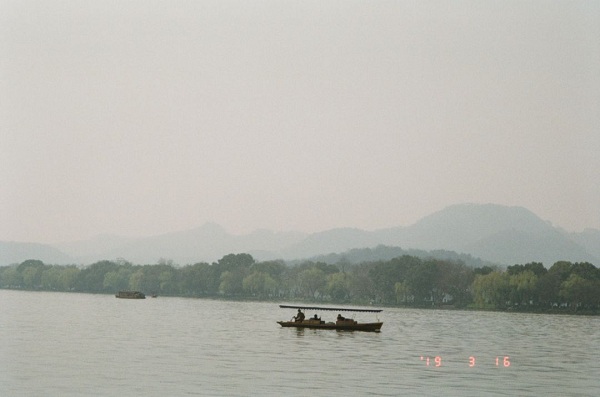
<point x="495" y="233"/>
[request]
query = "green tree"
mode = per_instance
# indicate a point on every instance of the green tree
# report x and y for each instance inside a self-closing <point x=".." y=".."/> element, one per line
<point x="562" y="269"/>
<point x="585" y="270"/>
<point x="549" y="284"/>
<point x="259" y="284"/>
<point x="10" y="277"/>
<point x="362" y="286"/>
<point x="167" y="281"/>
<point x="571" y="290"/>
<point x="273" y="268"/>
<point x="237" y="267"/>
<point x="51" y="278"/>
<point x="403" y="293"/>
<point x="136" y="280"/>
<point x="231" y="283"/>
<point x="483" y="270"/>
<point x="31" y="273"/>
<point x="523" y="287"/>
<point x="312" y="282"/>
<point x="536" y="268"/>
<point x="452" y="280"/>
<point x="338" y="286"/>
<point x="421" y="283"/>
<point x="233" y="262"/>
<point x="91" y="278"/>
<point x="69" y="277"/>
<point x="117" y="280"/>
<point x="385" y="275"/>
<point x="196" y="279"/>
<point x="579" y="291"/>
<point x="493" y="288"/>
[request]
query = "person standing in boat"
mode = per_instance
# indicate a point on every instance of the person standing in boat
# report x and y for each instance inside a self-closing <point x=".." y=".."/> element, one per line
<point x="300" y="316"/>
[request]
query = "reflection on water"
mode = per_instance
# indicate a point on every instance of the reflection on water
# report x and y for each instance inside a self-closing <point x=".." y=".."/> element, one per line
<point x="56" y="344"/>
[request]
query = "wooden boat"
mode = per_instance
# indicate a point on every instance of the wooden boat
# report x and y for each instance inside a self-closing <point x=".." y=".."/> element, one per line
<point x="341" y="323"/>
<point x="130" y="295"/>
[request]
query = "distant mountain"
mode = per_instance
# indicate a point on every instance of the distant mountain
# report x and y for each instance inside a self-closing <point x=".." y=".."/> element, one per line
<point x="494" y="233"/>
<point x="460" y="226"/>
<point x="385" y="253"/>
<point x="501" y="234"/>
<point x="335" y="240"/>
<point x="589" y="239"/>
<point x="87" y="250"/>
<point x="207" y="243"/>
<point x="14" y="252"/>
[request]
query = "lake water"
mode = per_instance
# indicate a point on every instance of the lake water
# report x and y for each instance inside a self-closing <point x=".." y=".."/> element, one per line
<point x="56" y="344"/>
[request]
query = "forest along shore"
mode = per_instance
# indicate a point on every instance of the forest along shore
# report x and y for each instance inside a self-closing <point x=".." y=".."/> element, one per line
<point x="405" y="281"/>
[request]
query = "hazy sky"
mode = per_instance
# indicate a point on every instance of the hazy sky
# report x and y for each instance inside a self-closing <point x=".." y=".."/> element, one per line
<point x="144" y="117"/>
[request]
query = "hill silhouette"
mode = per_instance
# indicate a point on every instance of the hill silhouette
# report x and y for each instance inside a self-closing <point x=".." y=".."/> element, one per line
<point x="487" y="232"/>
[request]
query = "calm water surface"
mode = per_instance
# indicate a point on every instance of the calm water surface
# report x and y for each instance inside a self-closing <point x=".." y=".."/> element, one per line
<point x="55" y="344"/>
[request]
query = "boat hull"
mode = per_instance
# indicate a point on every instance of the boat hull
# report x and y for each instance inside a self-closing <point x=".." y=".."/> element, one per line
<point x="130" y="295"/>
<point x="369" y="327"/>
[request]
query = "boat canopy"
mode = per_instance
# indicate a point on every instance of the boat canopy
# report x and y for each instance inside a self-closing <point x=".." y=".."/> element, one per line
<point x="334" y="309"/>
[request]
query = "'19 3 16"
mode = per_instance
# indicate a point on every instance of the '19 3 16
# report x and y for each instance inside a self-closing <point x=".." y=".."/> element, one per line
<point x="437" y="361"/>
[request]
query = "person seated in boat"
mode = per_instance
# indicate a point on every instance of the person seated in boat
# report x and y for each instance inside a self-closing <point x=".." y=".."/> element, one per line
<point x="340" y="317"/>
<point x="299" y="317"/>
<point x="316" y="318"/>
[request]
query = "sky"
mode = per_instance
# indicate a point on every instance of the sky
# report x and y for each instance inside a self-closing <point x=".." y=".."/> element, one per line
<point x="138" y="118"/>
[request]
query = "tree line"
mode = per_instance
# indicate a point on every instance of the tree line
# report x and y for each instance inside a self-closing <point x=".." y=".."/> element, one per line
<point x="403" y="281"/>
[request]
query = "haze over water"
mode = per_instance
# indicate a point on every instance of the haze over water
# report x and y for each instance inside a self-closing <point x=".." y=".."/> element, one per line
<point x="57" y="344"/>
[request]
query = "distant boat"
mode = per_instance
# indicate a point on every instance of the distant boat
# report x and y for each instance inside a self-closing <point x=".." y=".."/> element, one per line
<point x="341" y="324"/>
<point x="130" y="295"/>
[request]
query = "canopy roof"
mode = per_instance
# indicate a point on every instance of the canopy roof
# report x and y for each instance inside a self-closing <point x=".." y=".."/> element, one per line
<point x="334" y="309"/>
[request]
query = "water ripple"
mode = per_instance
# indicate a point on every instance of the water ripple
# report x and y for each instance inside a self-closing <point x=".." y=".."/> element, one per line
<point x="56" y="344"/>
